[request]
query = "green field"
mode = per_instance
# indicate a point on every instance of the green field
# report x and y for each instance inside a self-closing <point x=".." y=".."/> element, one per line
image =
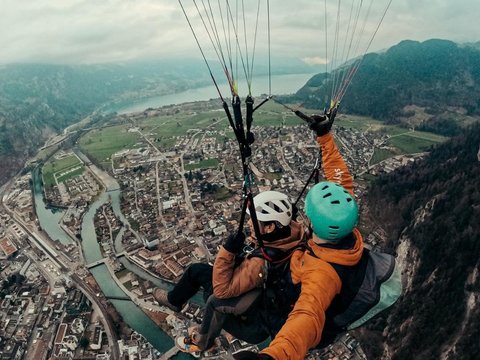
<point x="380" y="155"/>
<point x="103" y="143"/>
<point x="408" y="144"/>
<point x="57" y="166"/>
<point x="163" y="131"/>
<point x="361" y="123"/>
<point x="405" y="140"/>
<point x="222" y="194"/>
<point x="203" y="164"/>
<point x="71" y="174"/>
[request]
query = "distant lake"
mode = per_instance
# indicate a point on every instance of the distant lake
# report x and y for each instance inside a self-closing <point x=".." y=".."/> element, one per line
<point x="281" y="85"/>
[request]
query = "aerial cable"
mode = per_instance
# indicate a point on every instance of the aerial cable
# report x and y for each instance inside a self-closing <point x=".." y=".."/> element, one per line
<point x="219" y="56"/>
<point x="235" y="30"/>
<point x="253" y="51"/>
<point x="352" y="37"/>
<point x="213" y="26"/>
<point x="356" y="65"/>
<point x="342" y="93"/>
<point x="335" y="47"/>
<point x="222" y="45"/>
<point x="342" y="60"/>
<point x="326" y="41"/>
<point x="245" y="40"/>
<point x="201" y="51"/>
<point x="269" y="52"/>
<point x="352" y="70"/>
<point x="344" y="57"/>
<point x="235" y="25"/>
<point x="378" y="26"/>
<point x="227" y="38"/>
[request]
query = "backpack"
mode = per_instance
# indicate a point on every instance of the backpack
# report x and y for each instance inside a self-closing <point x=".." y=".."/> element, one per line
<point x="369" y="287"/>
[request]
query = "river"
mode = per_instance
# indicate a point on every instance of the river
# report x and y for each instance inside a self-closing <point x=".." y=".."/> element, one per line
<point x="281" y="84"/>
<point x="132" y="315"/>
<point x="52" y="226"/>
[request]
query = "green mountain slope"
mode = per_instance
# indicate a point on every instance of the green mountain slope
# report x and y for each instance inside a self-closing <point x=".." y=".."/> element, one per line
<point x="438" y="76"/>
<point x="37" y="101"/>
<point x="432" y="211"/>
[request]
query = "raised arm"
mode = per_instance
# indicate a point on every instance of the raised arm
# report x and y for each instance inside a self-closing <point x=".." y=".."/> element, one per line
<point x="334" y="167"/>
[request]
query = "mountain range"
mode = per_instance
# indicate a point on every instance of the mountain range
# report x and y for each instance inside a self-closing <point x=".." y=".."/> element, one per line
<point x="429" y="209"/>
<point x="433" y="85"/>
<point x="39" y="100"/>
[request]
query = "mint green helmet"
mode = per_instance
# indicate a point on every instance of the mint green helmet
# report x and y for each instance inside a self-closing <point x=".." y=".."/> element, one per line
<point x="332" y="210"/>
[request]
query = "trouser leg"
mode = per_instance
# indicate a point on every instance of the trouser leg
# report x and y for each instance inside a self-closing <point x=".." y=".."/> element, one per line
<point x="248" y="328"/>
<point x="196" y="276"/>
<point x="217" y="311"/>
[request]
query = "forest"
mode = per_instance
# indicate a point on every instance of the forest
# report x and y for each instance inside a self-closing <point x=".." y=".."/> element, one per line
<point x="435" y="206"/>
<point x="437" y="75"/>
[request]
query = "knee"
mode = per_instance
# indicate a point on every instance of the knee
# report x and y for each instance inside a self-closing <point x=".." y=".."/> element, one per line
<point x="198" y="268"/>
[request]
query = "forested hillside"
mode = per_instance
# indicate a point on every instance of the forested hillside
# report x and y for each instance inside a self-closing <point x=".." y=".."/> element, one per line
<point x="430" y="84"/>
<point x="432" y="210"/>
<point x="38" y="101"/>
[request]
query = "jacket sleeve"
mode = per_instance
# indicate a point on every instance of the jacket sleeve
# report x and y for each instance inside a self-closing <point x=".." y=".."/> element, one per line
<point x="334" y="166"/>
<point x="303" y="328"/>
<point x="230" y="280"/>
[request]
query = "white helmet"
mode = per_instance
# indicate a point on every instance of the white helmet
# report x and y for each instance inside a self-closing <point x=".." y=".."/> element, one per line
<point x="273" y="206"/>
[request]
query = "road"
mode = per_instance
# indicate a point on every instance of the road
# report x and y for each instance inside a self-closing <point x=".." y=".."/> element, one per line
<point x="65" y="267"/>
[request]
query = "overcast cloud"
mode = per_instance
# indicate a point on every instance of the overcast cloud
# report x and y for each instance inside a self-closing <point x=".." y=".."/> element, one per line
<point x="92" y="31"/>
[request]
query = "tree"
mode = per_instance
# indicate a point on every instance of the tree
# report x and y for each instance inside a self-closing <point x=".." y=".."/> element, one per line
<point x="84" y="342"/>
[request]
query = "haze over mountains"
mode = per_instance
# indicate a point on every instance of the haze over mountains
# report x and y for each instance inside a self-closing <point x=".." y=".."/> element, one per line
<point x="39" y="100"/>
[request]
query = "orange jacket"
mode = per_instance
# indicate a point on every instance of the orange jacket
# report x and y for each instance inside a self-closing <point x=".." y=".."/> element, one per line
<point x="231" y="281"/>
<point x="320" y="282"/>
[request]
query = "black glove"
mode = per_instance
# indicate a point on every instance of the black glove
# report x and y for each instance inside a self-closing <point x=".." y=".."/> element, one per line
<point x="321" y="124"/>
<point x="250" y="355"/>
<point x="234" y="243"/>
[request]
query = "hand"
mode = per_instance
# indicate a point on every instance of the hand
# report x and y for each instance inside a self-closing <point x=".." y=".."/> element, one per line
<point x="234" y="243"/>
<point x="250" y="355"/>
<point x="321" y="124"/>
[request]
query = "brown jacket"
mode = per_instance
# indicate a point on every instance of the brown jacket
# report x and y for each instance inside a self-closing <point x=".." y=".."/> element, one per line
<point x="230" y="281"/>
<point x="320" y="282"/>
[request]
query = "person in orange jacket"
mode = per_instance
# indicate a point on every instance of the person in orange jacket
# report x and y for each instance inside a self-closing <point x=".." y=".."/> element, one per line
<point x="235" y="282"/>
<point x="333" y="213"/>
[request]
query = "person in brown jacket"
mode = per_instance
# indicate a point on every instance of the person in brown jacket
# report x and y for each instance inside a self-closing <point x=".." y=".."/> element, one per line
<point x="333" y="213"/>
<point x="235" y="281"/>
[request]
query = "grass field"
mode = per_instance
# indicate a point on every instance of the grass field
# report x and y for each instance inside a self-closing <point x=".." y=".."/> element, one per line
<point x="406" y="141"/>
<point x="76" y="171"/>
<point x="58" y="166"/>
<point x="408" y="144"/>
<point x="222" y="194"/>
<point x="164" y="130"/>
<point x="203" y="164"/>
<point x="103" y="143"/>
<point x="380" y="155"/>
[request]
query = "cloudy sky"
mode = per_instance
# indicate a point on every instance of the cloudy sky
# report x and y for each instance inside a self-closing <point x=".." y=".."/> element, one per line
<point x="92" y="31"/>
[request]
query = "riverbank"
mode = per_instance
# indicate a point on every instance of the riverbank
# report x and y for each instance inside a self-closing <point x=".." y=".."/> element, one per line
<point x="105" y="278"/>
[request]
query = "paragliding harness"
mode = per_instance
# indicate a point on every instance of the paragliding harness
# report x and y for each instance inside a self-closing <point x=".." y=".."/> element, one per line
<point x="279" y="293"/>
